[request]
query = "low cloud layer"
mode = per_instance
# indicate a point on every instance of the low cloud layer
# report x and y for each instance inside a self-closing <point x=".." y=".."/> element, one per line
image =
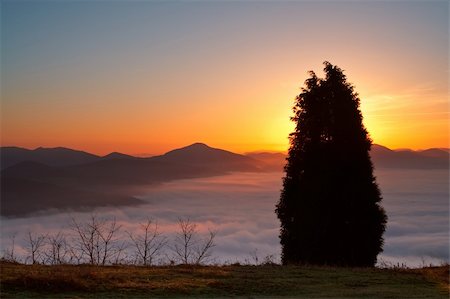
<point x="241" y="208"/>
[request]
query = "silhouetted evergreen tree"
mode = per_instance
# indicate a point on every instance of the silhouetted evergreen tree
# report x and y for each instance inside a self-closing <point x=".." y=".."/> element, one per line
<point x="329" y="206"/>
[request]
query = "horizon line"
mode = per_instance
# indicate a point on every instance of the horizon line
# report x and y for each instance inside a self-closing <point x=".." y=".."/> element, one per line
<point x="146" y="155"/>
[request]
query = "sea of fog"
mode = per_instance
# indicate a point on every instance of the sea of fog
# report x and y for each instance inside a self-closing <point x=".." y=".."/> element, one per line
<point x="240" y="207"/>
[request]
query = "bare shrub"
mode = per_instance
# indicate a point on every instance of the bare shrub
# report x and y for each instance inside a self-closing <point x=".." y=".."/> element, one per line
<point x="148" y="244"/>
<point x="57" y="249"/>
<point x="35" y="246"/>
<point x="269" y="259"/>
<point x="189" y="247"/>
<point x="9" y="253"/>
<point x="97" y="240"/>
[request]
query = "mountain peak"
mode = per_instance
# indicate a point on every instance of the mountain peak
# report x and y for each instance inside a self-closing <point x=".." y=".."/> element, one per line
<point x="199" y="145"/>
<point x="117" y="155"/>
<point x="56" y="156"/>
<point x="201" y="155"/>
<point x="57" y="148"/>
<point x="380" y="147"/>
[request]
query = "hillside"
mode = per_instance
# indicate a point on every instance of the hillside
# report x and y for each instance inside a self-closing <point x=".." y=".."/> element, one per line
<point x="382" y="157"/>
<point x="58" y="156"/>
<point x="63" y="178"/>
<point x="37" y="281"/>
<point x="197" y="160"/>
<point x="32" y="185"/>
<point x="22" y="196"/>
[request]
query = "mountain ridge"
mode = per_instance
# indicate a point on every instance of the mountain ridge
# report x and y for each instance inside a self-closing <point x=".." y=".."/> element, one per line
<point x="10" y="155"/>
<point x="97" y="178"/>
<point x="54" y="185"/>
<point x="56" y="156"/>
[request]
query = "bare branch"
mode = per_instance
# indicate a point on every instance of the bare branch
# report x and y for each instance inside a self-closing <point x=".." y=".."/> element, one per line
<point x="9" y="253"/>
<point x="58" y="249"/>
<point x="35" y="246"/>
<point x="188" y="247"/>
<point x="204" y="250"/>
<point x="96" y="239"/>
<point x="149" y="243"/>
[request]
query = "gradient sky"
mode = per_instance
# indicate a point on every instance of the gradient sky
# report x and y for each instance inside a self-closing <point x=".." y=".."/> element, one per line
<point x="146" y="77"/>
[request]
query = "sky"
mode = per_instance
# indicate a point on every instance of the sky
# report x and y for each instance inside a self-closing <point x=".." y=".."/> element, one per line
<point x="149" y="76"/>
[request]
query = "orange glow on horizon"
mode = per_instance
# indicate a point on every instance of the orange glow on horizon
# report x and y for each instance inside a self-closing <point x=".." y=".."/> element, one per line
<point x="160" y="83"/>
<point x="394" y="118"/>
<point x="395" y="126"/>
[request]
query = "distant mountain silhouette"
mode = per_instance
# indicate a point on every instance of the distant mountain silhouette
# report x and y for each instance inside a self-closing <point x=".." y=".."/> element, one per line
<point x="36" y="182"/>
<point x="435" y="152"/>
<point x="21" y="197"/>
<point x="34" y="170"/>
<point x="58" y="156"/>
<point x="196" y="160"/>
<point x="272" y="161"/>
<point x="382" y="157"/>
<point x="201" y="154"/>
<point x="116" y="155"/>
<point x="61" y="178"/>
<point x="200" y="151"/>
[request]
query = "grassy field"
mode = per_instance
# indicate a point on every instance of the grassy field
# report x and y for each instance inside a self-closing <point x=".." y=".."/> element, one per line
<point x="37" y="281"/>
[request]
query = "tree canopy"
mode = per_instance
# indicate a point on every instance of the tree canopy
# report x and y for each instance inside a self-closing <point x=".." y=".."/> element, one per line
<point x="329" y="206"/>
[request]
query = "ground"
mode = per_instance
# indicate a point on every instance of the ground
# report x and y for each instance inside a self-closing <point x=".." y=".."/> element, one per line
<point x="236" y="281"/>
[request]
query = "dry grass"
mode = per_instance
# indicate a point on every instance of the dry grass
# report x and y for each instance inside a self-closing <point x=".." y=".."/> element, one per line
<point x="37" y="281"/>
<point x="440" y="275"/>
